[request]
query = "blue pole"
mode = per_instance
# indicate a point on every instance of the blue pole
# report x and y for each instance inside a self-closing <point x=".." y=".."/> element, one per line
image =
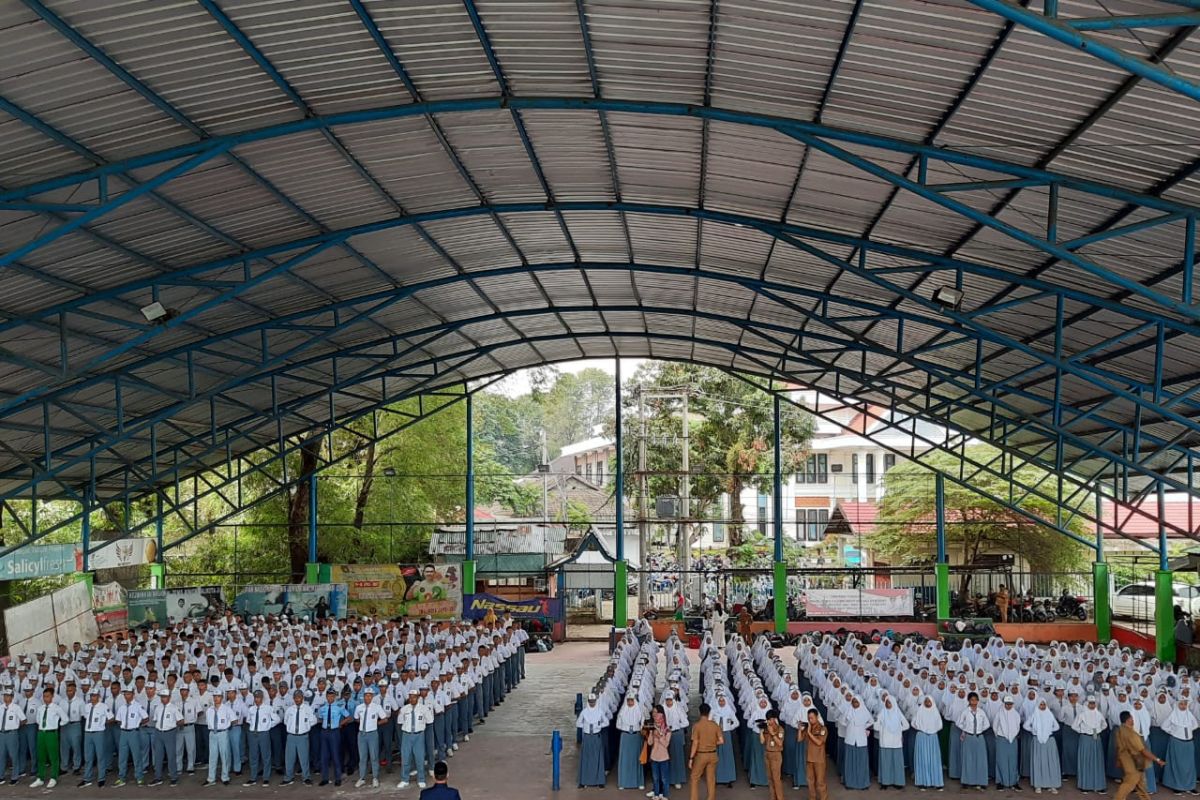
<point x="556" y="755"/>
<point x="470" y="544"/>
<point x="619" y="497"/>
<point x="778" y="476"/>
<point x="940" y="503"/>
<point x="86" y="524"/>
<point x="312" y="517"/>
<point x="158" y="523"/>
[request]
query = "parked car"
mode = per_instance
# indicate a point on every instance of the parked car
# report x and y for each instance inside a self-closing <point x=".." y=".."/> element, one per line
<point x="1136" y="600"/>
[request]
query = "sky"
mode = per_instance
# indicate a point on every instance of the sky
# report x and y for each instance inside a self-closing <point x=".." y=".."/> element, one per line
<point x="517" y="384"/>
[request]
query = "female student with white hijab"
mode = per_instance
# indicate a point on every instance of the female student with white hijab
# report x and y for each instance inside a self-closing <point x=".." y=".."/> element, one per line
<point x="856" y="773"/>
<point x="591" y="723"/>
<point x="630" y="772"/>
<point x="927" y="749"/>
<point x="889" y="727"/>
<point x="1090" y="725"/>
<point x="1007" y="725"/>
<point x="1045" y="771"/>
<point x="1179" y="774"/>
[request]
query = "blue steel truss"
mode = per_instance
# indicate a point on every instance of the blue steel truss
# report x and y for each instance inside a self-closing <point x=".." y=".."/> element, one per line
<point x="1153" y="448"/>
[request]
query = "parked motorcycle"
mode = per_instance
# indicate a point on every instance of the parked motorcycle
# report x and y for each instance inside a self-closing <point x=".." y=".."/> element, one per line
<point x="1071" y="606"/>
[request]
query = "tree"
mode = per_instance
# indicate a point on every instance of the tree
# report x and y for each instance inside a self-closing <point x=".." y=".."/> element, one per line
<point x="906" y="528"/>
<point x="575" y="406"/>
<point x="731" y="437"/>
<point x="511" y="427"/>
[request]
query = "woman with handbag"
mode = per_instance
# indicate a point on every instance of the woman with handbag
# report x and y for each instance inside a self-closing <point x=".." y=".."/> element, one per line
<point x="657" y="751"/>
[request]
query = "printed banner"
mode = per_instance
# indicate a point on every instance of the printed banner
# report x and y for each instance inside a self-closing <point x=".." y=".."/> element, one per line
<point x="120" y="553"/>
<point x="858" y="602"/>
<point x="169" y="606"/>
<point x="38" y="561"/>
<point x="300" y="599"/>
<point x="108" y="603"/>
<point x="475" y="606"/>
<point x="393" y="590"/>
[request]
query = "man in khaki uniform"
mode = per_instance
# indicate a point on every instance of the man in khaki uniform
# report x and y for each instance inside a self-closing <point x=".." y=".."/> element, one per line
<point x="706" y="738"/>
<point x="815" y="733"/>
<point x="1132" y="755"/>
<point x="772" y="739"/>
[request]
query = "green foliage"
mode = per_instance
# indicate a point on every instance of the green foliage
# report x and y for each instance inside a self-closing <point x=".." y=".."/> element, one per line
<point x="575" y="406"/>
<point x="730" y="441"/>
<point x="906" y="531"/>
<point x="511" y="427"/>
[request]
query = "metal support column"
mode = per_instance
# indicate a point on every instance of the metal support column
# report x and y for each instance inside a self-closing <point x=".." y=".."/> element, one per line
<point x="621" y="568"/>
<point x="85" y="520"/>
<point x="468" y="567"/>
<point x="1164" y="594"/>
<point x="1101" y="608"/>
<point x="158" y="567"/>
<point x="312" y="569"/>
<point x="942" y="567"/>
<point x="780" y="568"/>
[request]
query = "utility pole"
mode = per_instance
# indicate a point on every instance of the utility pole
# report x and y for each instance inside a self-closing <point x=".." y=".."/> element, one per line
<point x="685" y="495"/>
<point x="545" y="470"/>
<point x="643" y="508"/>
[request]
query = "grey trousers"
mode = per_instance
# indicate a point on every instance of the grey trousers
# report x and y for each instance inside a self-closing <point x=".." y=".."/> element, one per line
<point x="185" y="744"/>
<point x="70" y="746"/>
<point x="95" y="755"/>
<point x="259" y="745"/>
<point x="162" y="748"/>
<point x="218" y="750"/>
<point x="10" y="753"/>
<point x="368" y="754"/>
<point x="296" y="749"/>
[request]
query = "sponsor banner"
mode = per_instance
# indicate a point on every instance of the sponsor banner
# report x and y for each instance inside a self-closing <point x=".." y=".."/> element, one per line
<point x="169" y="606"/>
<point x="108" y="603"/>
<point x="858" y="602"/>
<point x="300" y="599"/>
<point x="393" y="590"/>
<point x="38" y="561"/>
<point x="120" y="553"/>
<point x="475" y="606"/>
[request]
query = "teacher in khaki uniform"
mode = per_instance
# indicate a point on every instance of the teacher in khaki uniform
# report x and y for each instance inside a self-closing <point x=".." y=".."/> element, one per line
<point x="772" y="741"/>
<point x="815" y="734"/>
<point x="706" y="738"/>
<point x="1132" y="755"/>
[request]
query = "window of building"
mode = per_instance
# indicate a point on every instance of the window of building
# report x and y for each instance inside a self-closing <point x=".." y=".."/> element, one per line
<point x="889" y="461"/>
<point x="718" y="532"/>
<point x="854" y="468"/>
<point x="600" y="473"/>
<point x="811" y="524"/>
<point x="870" y="467"/>
<point x="814" y="470"/>
<point x="588" y="472"/>
<point x="762" y="514"/>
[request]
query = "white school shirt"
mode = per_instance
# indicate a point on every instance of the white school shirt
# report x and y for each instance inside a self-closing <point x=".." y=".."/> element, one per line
<point x="190" y="710"/>
<point x="260" y="718"/>
<point x="414" y="718"/>
<point x="166" y="717"/>
<point x="130" y="716"/>
<point x="11" y="717"/>
<point x="369" y="716"/>
<point x="96" y="718"/>
<point x="50" y="717"/>
<point x="72" y="709"/>
<point x="299" y="719"/>
<point x="220" y="719"/>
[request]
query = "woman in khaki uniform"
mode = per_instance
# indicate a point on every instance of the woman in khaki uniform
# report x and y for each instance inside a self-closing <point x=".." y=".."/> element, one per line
<point x="772" y="739"/>
<point x="815" y="734"/>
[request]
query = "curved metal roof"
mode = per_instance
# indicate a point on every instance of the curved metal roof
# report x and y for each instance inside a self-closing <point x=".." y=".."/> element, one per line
<point x="344" y="202"/>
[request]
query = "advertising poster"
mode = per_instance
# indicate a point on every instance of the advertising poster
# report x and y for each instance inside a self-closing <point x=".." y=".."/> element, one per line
<point x="38" y="561"/>
<point x="858" y="602"/>
<point x="299" y="599"/>
<point x="169" y="606"/>
<point x="475" y="606"/>
<point x="392" y="590"/>
<point x="108" y="603"/>
<point x="120" y="553"/>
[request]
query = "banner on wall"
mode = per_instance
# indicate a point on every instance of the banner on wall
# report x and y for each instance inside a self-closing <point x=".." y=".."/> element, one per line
<point x="169" y="606"/>
<point x="38" y="561"/>
<point x="61" y="617"/>
<point x="392" y="590"/>
<point x="858" y="602"/>
<point x="475" y="606"/>
<point x="108" y="603"/>
<point x="300" y="599"/>
<point x="120" y="553"/>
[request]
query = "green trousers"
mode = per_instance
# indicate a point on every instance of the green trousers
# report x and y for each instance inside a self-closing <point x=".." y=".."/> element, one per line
<point x="47" y="755"/>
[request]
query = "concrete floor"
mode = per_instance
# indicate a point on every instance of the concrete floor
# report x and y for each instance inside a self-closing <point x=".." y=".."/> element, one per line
<point x="507" y="759"/>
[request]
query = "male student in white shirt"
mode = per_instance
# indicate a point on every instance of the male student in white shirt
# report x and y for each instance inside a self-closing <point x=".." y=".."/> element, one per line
<point x="11" y="717"/>
<point x="166" y="719"/>
<point x="414" y="719"/>
<point x="368" y="715"/>
<point x="298" y="720"/>
<point x="219" y="719"/>
<point x="49" y="717"/>
<point x="95" y="739"/>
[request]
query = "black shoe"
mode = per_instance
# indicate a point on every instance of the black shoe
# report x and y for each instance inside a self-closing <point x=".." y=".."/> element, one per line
<point x="158" y="781"/>
<point x="266" y="782"/>
<point x="81" y="784"/>
<point x="224" y="783"/>
<point x="308" y="781"/>
<point x="100" y="785"/>
<point x="324" y="783"/>
<point x="337" y="783"/>
<point x="206" y="784"/>
<point x="289" y="781"/>
<point x="252" y="782"/>
<point x="175" y="782"/>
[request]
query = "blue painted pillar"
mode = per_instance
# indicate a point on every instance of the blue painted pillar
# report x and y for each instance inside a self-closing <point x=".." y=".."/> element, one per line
<point x="469" y="552"/>
<point x="158" y="567"/>
<point x="312" y="570"/>
<point x="86" y="525"/>
<point x="942" y="568"/>
<point x="779" y="578"/>
<point x="621" y="568"/>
